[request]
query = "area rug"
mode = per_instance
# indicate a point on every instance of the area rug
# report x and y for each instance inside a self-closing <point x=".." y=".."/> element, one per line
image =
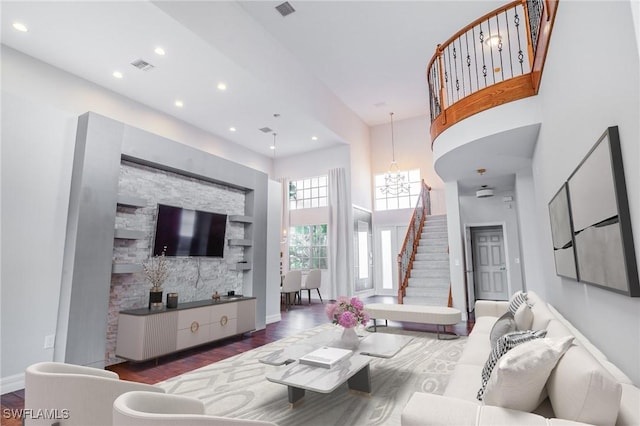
<point x="237" y="387"/>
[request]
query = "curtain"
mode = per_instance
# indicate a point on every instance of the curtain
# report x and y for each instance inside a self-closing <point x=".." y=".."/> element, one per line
<point x="284" y="224"/>
<point x="340" y="229"/>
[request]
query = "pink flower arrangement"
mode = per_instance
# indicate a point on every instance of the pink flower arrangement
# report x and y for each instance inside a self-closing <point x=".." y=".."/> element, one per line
<point x="347" y="312"/>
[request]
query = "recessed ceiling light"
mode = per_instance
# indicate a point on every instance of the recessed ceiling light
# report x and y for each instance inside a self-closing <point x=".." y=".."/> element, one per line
<point x="159" y="51"/>
<point x="272" y="147"/>
<point x="117" y="74"/>
<point x="494" y="40"/>
<point x="19" y="26"/>
<point x="314" y="138"/>
<point x="222" y="86"/>
<point x="232" y="129"/>
<point x="179" y="104"/>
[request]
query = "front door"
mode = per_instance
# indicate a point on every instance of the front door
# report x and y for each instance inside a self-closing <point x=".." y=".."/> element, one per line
<point x="490" y="272"/>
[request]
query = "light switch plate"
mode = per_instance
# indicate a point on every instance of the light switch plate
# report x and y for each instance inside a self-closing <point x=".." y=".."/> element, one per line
<point x="49" y="341"/>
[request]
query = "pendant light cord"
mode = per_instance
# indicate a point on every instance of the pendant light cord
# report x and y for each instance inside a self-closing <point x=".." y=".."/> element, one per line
<point x="393" y="146"/>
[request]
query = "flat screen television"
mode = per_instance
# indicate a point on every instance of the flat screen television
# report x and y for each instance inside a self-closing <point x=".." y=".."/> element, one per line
<point x="186" y="232"/>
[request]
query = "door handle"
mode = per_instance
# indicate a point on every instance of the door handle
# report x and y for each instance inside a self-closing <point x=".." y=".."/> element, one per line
<point x="502" y="268"/>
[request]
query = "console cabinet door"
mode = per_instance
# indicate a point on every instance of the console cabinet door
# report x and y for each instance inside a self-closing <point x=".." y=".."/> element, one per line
<point x="193" y="327"/>
<point x="224" y="319"/>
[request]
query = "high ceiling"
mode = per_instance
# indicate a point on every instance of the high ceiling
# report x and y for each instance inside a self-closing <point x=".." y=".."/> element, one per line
<point x="327" y="65"/>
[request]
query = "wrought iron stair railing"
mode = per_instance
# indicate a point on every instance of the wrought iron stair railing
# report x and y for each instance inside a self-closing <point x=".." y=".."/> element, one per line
<point x="410" y="245"/>
<point x="496" y="59"/>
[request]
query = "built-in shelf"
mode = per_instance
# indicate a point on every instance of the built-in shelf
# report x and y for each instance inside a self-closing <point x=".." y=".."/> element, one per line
<point x="240" y="219"/>
<point x="129" y="234"/>
<point x="239" y="242"/>
<point x="129" y="201"/>
<point x="126" y="268"/>
<point x="242" y="266"/>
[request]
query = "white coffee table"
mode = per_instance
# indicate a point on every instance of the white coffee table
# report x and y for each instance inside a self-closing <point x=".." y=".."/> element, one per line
<point x="353" y="370"/>
<point x="299" y="378"/>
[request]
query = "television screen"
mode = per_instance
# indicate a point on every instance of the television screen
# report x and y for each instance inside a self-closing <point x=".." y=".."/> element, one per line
<point x="186" y="232"/>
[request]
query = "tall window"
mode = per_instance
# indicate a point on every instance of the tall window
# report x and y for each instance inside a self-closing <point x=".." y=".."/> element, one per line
<point x="406" y="200"/>
<point x="308" y="247"/>
<point x="308" y="193"/>
<point x="387" y="260"/>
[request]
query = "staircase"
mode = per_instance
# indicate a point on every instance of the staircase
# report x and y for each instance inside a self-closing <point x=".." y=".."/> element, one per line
<point x="429" y="277"/>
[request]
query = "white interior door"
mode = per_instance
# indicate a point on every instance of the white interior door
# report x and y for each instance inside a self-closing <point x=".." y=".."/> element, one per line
<point x="489" y="266"/>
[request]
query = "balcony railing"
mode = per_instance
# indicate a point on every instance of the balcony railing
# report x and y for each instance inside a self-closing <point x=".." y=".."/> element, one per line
<point x="498" y="58"/>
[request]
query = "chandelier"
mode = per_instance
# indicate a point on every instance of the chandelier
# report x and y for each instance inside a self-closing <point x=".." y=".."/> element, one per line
<point x="394" y="181"/>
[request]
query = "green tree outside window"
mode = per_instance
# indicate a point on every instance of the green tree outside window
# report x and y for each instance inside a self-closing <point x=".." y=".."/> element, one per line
<point x="308" y="247"/>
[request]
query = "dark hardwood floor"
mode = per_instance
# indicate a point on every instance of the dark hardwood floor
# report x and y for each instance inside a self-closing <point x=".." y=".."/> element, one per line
<point x="298" y="318"/>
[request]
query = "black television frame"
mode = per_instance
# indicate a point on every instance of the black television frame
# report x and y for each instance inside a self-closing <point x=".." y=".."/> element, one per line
<point x="208" y="242"/>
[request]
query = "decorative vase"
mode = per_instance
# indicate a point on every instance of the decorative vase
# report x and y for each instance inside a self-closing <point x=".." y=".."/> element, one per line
<point x="155" y="296"/>
<point x="349" y="338"/>
<point x="172" y="300"/>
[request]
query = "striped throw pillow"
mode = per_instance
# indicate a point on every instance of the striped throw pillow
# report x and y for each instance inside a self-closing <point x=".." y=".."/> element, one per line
<point x="505" y="343"/>
<point x="516" y="300"/>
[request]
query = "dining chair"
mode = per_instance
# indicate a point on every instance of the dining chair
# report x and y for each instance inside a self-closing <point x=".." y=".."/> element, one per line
<point x="292" y="284"/>
<point x="313" y="280"/>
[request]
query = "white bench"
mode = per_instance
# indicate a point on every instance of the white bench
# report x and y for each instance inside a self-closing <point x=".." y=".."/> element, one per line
<point x="438" y="315"/>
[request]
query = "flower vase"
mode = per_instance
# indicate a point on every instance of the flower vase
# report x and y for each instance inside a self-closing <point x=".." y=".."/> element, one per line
<point x="155" y="297"/>
<point x="349" y="338"/>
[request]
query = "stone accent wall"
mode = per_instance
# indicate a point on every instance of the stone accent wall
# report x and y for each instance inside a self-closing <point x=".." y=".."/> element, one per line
<point x="193" y="278"/>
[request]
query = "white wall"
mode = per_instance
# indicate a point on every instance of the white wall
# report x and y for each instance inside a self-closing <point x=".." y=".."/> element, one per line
<point x="590" y="83"/>
<point x="361" y="176"/>
<point x="273" y="253"/>
<point x="456" y="247"/>
<point x="529" y="235"/>
<point x="313" y="163"/>
<point x="37" y="153"/>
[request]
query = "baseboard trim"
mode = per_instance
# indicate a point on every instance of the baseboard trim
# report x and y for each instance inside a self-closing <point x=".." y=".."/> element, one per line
<point x="273" y="318"/>
<point x="11" y="383"/>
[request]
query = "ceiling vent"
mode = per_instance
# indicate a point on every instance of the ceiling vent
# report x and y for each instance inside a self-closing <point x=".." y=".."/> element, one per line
<point x="285" y="9"/>
<point x="266" y="130"/>
<point x="484" y="193"/>
<point x="143" y="65"/>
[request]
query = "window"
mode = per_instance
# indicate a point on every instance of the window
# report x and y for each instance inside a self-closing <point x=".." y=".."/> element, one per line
<point x="308" y="247"/>
<point x="308" y="193"/>
<point x="387" y="260"/>
<point x="406" y="200"/>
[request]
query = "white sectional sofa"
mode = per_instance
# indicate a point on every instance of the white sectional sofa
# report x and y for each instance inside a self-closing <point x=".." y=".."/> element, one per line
<point x="583" y="387"/>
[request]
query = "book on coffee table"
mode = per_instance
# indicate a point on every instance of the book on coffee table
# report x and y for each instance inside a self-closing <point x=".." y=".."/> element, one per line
<point x="325" y="357"/>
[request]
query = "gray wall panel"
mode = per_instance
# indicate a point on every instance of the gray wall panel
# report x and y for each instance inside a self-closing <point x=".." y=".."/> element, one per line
<point x="94" y="186"/>
<point x="100" y="145"/>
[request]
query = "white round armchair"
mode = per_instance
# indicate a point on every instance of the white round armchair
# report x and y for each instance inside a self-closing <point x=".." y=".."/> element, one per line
<point x="154" y="409"/>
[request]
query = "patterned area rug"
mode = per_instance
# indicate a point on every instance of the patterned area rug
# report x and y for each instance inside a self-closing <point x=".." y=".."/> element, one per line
<point x="237" y="387"/>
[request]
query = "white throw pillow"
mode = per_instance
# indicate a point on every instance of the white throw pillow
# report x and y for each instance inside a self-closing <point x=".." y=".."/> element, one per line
<point x="505" y="344"/>
<point x="518" y="380"/>
<point x="523" y="317"/>
<point x="582" y="390"/>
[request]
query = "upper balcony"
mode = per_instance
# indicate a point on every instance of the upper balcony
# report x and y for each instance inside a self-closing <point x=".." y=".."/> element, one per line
<point x="496" y="59"/>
